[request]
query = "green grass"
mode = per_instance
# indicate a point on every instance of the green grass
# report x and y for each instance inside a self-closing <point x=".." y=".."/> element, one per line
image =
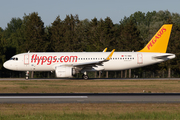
<point x="92" y="86"/>
<point x="95" y="116"/>
<point x="150" y="116"/>
<point x="90" y="111"/>
<point x="24" y="87"/>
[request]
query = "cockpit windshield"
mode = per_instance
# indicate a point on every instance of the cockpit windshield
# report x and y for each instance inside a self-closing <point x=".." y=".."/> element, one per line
<point x="14" y="58"/>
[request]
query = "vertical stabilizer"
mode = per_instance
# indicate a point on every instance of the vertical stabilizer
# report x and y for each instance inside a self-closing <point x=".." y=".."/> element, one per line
<point x="160" y="40"/>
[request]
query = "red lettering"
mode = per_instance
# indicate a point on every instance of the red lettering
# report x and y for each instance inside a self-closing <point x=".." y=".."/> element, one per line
<point x="163" y="29"/>
<point x="160" y="33"/>
<point x="54" y="59"/>
<point x="43" y="59"/>
<point x="39" y="59"/>
<point x="35" y="58"/>
<point x="149" y="45"/>
<point x="66" y="59"/>
<point x="61" y="58"/>
<point x="153" y="41"/>
<point x="72" y="58"/>
<point x="49" y="60"/>
<point x="157" y="36"/>
<point x="32" y="58"/>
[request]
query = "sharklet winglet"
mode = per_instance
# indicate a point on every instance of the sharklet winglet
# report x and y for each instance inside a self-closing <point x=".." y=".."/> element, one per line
<point x="110" y="55"/>
<point x="105" y="50"/>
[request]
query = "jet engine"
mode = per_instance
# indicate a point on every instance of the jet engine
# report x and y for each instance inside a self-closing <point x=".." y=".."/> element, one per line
<point x="64" y="71"/>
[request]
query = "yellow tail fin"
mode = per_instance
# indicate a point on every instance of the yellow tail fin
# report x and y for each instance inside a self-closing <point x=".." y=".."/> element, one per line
<point x="159" y="41"/>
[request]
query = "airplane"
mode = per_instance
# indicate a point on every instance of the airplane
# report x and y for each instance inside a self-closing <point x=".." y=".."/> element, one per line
<point x="67" y="64"/>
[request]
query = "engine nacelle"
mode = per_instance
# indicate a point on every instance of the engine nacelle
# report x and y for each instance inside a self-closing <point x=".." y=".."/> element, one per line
<point x="63" y="71"/>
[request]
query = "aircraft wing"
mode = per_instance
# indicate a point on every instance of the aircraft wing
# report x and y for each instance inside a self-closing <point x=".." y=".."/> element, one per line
<point x="90" y="64"/>
<point x="95" y="62"/>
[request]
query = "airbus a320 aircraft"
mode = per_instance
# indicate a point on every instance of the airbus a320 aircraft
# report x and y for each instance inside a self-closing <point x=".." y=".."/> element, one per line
<point x="67" y="64"/>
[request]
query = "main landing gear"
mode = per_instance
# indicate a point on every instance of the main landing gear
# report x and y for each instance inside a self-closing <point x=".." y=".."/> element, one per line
<point x="27" y="75"/>
<point x="85" y="76"/>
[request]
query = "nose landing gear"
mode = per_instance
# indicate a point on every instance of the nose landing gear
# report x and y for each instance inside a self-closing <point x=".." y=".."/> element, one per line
<point x="27" y="75"/>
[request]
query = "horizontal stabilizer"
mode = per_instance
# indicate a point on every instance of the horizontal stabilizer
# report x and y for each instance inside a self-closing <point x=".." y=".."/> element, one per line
<point x="165" y="56"/>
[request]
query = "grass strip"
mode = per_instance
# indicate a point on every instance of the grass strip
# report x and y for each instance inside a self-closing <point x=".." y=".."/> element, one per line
<point x="89" y="86"/>
<point x="90" y="111"/>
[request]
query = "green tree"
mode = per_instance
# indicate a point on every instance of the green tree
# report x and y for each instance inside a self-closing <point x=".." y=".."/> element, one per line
<point x="2" y="53"/>
<point x="69" y="37"/>
<point x="82" y="32"/>
<point x="94" y="35"/>
<point x="102" y="34"/>
<point x="108" y="34"/>
<point x="130" y="38"/>
<point x="34" y="33"/>
<point x="8" y="39"/>
<point x="56" y="35"/>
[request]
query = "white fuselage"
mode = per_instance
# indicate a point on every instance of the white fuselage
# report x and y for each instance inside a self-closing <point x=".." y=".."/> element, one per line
<point x="47" y="61"/>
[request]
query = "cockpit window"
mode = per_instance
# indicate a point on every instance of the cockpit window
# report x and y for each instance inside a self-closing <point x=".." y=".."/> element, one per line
<point x="13" y="58"/>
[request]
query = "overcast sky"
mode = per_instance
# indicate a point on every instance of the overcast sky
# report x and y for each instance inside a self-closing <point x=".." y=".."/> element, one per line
<point x="48" y="10"/>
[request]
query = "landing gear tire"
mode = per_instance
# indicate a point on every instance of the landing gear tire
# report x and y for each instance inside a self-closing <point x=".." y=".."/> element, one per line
<point x="85" y="77"/>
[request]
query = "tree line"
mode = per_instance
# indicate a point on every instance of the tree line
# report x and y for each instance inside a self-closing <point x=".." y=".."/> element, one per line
<point x="74" y="35"/>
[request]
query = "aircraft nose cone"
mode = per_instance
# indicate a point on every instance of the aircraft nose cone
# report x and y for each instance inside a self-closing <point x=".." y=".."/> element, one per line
<point x="9" y="65"/>
<point x="5" y="65"/>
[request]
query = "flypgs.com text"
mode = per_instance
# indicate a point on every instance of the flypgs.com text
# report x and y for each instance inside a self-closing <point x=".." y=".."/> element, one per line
<point x="156" y="37"/>
<point x="40" y="60"/>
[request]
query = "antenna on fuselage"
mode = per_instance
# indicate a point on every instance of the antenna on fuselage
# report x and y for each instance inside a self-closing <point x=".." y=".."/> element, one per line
<point x="29" y="51"/>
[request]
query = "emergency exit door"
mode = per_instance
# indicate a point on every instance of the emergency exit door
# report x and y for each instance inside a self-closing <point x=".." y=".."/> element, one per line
<point x="26" y="59"/>
<point x="139" y="58"/>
